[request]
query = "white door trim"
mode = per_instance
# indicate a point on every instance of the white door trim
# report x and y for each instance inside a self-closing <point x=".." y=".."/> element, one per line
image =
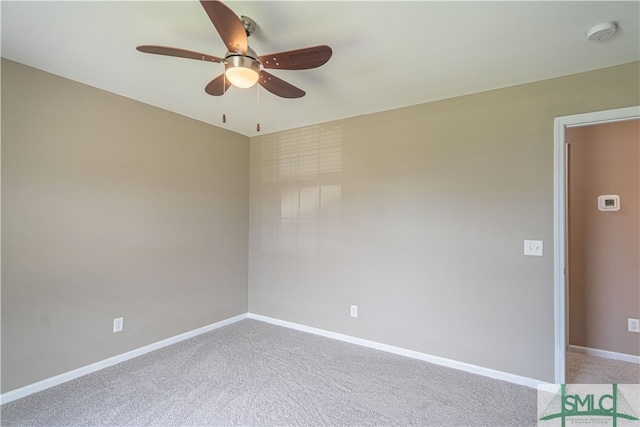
<point x="559" y="217"/>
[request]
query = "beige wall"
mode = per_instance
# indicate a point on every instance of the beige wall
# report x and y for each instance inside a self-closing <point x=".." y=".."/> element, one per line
<point x="111" y="208"/>
<point x="114" y="208"/>
<point x="604" y="247"/>
<point x="418" y="216"/>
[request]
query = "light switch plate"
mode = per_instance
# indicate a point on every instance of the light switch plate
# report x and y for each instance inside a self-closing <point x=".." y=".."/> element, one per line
<point x="533" y="247"/>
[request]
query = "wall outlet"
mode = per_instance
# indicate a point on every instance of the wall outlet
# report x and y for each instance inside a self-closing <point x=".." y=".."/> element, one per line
<point x="634" y="325"/>
<point x="118" y="324"/>
<point x="354" y="311"/>
<point x="533" y="247"/>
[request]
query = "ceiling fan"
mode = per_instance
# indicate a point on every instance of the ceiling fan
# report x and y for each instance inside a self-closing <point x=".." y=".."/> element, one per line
<point x="242" y="66"/>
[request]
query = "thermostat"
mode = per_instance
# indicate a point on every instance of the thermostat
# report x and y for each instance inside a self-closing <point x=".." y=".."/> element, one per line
<point x="609" y="203"/>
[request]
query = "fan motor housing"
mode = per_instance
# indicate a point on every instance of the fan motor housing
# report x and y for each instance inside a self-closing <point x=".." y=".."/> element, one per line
<point x="250" y="60"/>
<point x="233" y="61"/>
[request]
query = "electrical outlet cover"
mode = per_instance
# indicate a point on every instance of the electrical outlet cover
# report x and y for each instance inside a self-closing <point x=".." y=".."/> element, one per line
<point x="354" y="311"/>
<point x="118" y="324"/>
<point x="633" y="325"/>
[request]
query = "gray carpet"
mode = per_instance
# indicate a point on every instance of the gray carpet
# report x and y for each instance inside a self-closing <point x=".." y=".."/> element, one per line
<point x="254" y="373"/>
<point x="584" y="369"/>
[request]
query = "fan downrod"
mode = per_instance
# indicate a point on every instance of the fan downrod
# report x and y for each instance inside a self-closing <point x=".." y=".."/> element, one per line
<point x="248" y="24"/>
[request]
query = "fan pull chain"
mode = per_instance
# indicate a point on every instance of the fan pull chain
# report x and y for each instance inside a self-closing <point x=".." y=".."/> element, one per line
<point x="258" y="109"/>
<point x="224" y="95"/>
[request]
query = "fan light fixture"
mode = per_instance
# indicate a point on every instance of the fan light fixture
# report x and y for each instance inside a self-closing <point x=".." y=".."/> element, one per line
<point x="242" y="71"/>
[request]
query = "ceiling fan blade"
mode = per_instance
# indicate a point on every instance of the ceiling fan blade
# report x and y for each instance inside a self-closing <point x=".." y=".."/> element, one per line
<point x="228" y="26"/>
<point x="279" y="87"/>
<point x="218" y="86"/>
<point x="180" y="53"/>
<point x="299" y="59"/>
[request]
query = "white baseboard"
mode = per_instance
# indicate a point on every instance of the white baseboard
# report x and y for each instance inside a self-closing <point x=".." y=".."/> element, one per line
<point x="605" y="354"/>
<point x="76" y="373"/>
<point x="449" y="363"/>
<point x="71" y="375"/>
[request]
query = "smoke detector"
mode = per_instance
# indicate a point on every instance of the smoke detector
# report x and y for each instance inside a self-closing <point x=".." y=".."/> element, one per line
<point x="601" y="31"/>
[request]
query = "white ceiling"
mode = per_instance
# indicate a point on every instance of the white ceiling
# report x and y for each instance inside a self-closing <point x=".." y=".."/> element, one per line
<point x="385" y="54"/>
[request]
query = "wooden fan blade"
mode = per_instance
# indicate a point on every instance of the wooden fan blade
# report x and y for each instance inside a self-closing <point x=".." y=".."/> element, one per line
<point x="279" y="87"/>
<point x="217" y="86"/>
<point x="300" y="59"/>
<point x="228" y="25"/>
<point x="180" y="53"/>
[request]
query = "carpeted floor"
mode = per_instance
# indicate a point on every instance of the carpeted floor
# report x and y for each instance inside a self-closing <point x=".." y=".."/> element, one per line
<point x="254" y="373"/>
<point x="584" y="369"/>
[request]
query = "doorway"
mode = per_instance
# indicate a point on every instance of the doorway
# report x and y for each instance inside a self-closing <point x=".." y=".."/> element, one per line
<point x="560" y="219"/>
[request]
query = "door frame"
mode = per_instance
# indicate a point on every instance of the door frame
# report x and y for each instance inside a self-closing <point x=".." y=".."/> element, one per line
<point x="560" y="193"/>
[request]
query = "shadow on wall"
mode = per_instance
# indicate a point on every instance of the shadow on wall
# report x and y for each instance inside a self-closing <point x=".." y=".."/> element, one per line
<point x="300" y="175"/>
